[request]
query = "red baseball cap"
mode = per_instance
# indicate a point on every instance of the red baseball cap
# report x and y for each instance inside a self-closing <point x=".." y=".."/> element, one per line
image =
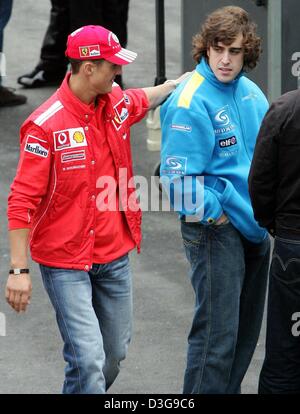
<point x="96" y="42"/>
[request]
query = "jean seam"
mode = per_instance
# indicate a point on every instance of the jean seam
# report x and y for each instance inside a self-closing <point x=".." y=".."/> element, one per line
<point x="209" y="313"/>
<point x="66" y="329"/>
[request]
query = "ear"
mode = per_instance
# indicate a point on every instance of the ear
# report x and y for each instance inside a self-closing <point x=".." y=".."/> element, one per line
<point x="88" y="68"/>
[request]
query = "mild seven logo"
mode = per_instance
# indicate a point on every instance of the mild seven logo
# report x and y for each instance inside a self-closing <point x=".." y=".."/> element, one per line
<point x="221" y="121"/>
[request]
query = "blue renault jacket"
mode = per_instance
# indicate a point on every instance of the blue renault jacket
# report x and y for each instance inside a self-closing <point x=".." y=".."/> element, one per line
<point x="209" y="130"/>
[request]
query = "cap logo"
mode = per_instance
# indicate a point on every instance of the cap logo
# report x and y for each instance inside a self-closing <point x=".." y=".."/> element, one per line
<point x="89" y="51"/>
<point x="112" y="36"/>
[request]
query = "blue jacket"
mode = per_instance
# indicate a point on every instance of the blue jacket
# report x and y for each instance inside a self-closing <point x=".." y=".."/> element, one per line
<point x="209" y="130"/>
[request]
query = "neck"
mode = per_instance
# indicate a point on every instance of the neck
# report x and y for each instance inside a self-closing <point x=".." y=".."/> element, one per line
<point x="81" y="89"/>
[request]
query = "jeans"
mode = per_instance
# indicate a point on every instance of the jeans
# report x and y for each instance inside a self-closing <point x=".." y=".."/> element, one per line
<point x="280" y="373"/>
<point x="229" y="277"/>
<point x="94" y="316"/>
<point x="5" y="12"/>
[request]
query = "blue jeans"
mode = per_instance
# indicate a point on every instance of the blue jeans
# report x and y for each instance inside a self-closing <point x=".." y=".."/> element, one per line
<point x="5" y="12"/>
<point x="280" y="373"/>
<point x="229" y="277"/>
<point x="94" y="316"/>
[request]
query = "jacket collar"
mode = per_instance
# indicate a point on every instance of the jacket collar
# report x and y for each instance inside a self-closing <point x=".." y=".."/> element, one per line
<point x="74" y="105"/>
<point x="204" y="69"/>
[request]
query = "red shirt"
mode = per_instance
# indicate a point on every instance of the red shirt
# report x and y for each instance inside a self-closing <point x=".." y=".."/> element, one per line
<point x="112" y="235"/>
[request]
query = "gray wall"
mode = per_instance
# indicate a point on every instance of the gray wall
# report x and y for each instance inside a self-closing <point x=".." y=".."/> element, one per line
<point x="195" y="11"/>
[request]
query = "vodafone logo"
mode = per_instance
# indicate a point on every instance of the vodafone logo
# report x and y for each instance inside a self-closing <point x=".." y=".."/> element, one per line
<point x="69" y="138"/>
<point x="62" y="138"/>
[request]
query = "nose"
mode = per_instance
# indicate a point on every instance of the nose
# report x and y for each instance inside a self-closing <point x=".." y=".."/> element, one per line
<point x="226" y="57"/>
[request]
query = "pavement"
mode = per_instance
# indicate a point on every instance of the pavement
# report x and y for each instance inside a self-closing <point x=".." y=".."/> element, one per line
<point x="31" y="350"/>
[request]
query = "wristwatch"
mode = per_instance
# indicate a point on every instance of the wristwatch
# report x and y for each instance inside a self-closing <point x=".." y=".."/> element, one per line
<point x="17" y="272"/>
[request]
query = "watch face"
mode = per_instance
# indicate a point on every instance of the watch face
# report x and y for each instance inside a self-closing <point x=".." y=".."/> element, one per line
<point x="17" y="272"/>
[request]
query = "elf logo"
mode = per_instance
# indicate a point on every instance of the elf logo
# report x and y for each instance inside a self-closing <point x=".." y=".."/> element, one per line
<point x="228" y="142"/>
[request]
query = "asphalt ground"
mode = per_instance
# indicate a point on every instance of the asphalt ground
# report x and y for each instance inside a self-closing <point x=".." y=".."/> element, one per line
<point x="31" y="351"/>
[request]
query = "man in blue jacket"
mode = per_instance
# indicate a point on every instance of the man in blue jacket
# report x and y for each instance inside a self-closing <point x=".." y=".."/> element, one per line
<point x="209" y="126"/>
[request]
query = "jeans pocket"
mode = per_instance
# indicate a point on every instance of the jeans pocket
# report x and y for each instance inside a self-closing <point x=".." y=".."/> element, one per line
<point x="192" y="236"/>
<point x="285" y="265"/>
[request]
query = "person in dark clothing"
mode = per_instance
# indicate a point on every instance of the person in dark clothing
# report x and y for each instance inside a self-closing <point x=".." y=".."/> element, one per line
<point x="274" y="187"/>
<point x="65" y="17"/>
<point x="7" y="95"/>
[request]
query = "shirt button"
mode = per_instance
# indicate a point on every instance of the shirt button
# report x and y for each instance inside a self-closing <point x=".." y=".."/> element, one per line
<point x="87" y="267"/>
<point x="86" y="117"/>
<point x="93" y="197"/>
<point x="93" y="162"/>
<point x="86" y="128"/>
<point x="92" y="232"/>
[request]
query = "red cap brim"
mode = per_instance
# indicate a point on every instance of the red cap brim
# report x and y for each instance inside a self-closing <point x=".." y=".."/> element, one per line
<point x="123" y="57"/>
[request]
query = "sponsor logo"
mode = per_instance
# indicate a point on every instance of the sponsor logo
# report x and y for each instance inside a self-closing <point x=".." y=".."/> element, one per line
<point x="74" y="167"/>
<point x="126" y="99"/>
<point x="222" y="117"/>
<point x="182" y="128"/>
<point x="69" y="138"/>
<point x="121" y="114"/>
<point x="73" y="156"/>
<point x="251" y="96"/>
<point x="113" y="37"/>
<point x="89" y="51"/>
<point x="221" y="121"/>
<point x="36" y="146"/>
<point x="229" y="142"/>
<point x="78" y="137"/>
<point x="175" y="165"/>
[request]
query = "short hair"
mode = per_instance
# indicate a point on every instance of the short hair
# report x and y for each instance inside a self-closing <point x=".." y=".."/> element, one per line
<point x="76" y="64"/>
<point x="224" y="25"/>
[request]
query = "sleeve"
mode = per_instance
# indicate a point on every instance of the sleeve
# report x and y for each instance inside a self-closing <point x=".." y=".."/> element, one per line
<point x="31" y="181"/>
<point x="188" y="143"/>
<point x="137" y="104"/>
<point x="263" y="172"/>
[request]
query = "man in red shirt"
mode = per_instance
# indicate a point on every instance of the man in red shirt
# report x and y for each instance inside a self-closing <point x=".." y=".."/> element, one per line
<point x="57" y="204"/>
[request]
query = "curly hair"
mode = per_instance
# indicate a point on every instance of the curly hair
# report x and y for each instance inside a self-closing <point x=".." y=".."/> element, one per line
<point x="224" y="25"/>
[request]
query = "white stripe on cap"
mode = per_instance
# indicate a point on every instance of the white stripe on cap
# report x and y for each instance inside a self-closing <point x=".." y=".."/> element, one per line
<point x="129" y="53"/>
<point x="124" y="58"/>
<point x="57" y="106"/>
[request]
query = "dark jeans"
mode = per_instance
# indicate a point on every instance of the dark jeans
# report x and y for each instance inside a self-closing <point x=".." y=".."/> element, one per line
<point x="68" y="15"/>
<point x="229" y="277"/>
<point x="280" y="373"/>
<point x="5" y="12"/>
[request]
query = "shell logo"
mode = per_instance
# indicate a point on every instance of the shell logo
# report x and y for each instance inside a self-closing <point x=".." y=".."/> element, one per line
<point x="78" y="137"/>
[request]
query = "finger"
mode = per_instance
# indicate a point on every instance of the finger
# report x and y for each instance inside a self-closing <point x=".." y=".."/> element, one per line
<point x="11" y="297"/>
<point x="17" y="301"/>
<point x="24" y="302"/>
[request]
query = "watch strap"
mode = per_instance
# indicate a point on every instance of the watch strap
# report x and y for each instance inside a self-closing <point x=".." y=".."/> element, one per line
<point x="18" y="271"/>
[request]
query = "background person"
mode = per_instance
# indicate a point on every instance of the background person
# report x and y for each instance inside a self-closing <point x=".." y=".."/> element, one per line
<point x="65" y="17"/>
<point x="209" y="129"/>
<point x="8" y="97"/>
<point x="274" y="188"/>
